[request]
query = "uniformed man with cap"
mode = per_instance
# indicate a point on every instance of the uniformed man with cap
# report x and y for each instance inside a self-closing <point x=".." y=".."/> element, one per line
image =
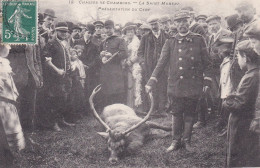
<point x="57" y="67"/>
<point x="165" y="22"/>
<point x="97" y="38"/>
<point x="112" y="51"/>
<point x="189" y="70"/>
<point x="149" y="51"/>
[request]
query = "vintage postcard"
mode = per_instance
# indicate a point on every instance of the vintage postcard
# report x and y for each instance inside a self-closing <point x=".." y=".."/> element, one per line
<point x="129" y="83"/>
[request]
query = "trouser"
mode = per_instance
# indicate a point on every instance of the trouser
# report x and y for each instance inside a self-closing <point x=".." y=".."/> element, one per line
<point x="159" y="93"/>
<point x="28" y="104"/>
<point x="202" y="109"/>
<point x="223" y="116"/>
<point x="184" y="112"/>
<point x="6" y="157"/>
<point x="242" y="144"/>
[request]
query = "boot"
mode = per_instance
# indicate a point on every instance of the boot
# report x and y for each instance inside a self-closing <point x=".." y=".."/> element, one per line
<point x="174" y="146"/>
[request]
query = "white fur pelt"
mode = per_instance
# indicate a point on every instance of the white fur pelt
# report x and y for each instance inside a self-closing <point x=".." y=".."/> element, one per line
<point x="136" y="69"/>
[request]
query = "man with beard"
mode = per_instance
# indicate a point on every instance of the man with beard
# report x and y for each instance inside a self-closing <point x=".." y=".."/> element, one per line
<point x="246" y="13"/>
<point x="189" y="70"/>
<point x="112" y="51"/>
<point x="57" y="80"/>
<point x="149" y="51"/>
<point x="97" y="38"/>
<point x="75" y="35"/>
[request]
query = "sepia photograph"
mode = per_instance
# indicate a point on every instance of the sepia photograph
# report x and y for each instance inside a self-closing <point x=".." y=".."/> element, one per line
<point x="129" y="83"/>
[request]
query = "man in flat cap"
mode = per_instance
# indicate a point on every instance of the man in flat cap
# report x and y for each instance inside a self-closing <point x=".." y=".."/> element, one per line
<point x="57" y="67"/>
<point x="188" y="75"/>
<point x="112" y="51"/>
<point x="217" y="32"/>
<point x="97" y="37"/>
<point x="165" y="22"/>
<point x="194" y="26"/>
<point x="201" y="19"/>
<point x="149" y="51"/>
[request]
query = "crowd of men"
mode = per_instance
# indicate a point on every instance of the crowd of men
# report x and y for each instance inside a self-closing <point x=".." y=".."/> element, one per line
<point x="189" y="62"/>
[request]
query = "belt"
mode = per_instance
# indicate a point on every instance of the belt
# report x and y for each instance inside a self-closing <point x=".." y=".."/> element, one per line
<point x="8" y="100"/>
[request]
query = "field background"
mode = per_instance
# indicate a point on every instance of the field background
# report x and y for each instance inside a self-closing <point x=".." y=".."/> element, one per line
<point x="81" y="147"/>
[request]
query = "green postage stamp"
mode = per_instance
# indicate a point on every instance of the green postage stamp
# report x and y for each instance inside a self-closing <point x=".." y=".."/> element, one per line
<point x="19" y="22"/>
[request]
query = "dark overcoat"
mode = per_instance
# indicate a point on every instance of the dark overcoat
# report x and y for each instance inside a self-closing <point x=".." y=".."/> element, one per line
<point x="55" y="84"/>
<point x="188" y="60"/>
<point x="149" y="50"/>
<point x="111" y="74"/>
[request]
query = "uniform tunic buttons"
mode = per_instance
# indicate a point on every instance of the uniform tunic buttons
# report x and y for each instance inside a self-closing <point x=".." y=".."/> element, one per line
<point x="179" y="41"/>
<point x="192" y="58"/>
<point x="180" y="59"/>
<point x="181" y="77"/>
<point x="191" y="49"/>
<point x="179" y="50"/>
<point x="193" y="77"/>
<point x="180" y="68"/>
<point x="192" y="67"/>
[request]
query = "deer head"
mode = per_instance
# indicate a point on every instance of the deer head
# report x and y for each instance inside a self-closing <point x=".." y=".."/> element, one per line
<point x="116" y="140"/>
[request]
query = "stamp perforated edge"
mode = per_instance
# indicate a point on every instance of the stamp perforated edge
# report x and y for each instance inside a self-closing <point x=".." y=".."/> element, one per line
<point x="36" y="17"/>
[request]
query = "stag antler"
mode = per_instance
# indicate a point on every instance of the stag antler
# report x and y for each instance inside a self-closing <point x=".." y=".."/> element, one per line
<point x="144" y="119"/>
<point x="95" y="91"/>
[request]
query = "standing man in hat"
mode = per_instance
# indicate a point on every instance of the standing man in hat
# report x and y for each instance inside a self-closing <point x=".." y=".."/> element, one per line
<point x="35" y="80"/>
<point x="149" y="51"/>
<point x="75" y="35"/>
<point x="57" y="67"/>
<point x="49" y="16"/>
<point x="112" y="51"/>
<point x="217" y="32"/>
<point x="90" y="58"/>
<point x="97" y="38"/>
<point x="165" y="23"/>
<point x="189" y="71"/>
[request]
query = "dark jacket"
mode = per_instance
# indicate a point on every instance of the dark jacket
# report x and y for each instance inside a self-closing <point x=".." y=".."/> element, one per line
<point x="242" y="103"/>
<point x="111" y="74"/>
<point x="197" y="28"/>
<point x="97" y="40"/>
<point x="149" y="51"/>
<point x="188" y="61"/>
<point x="55" y="84"/>
<point x="90" y="57"/>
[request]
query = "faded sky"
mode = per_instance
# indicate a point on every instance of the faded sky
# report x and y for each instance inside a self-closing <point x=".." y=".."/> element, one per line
<point x="86" y="12"/>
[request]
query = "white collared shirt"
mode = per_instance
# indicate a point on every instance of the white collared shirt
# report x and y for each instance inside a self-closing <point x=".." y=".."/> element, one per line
<point x="183" y="35"/>
<point x="157" y="34"/>
<point x="216" y="35"/>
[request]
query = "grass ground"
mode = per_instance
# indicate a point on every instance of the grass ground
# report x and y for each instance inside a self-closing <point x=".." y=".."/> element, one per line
<point x="81" y="147"/>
